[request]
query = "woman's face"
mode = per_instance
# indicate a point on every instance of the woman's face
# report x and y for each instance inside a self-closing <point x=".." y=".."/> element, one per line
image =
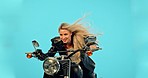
<point x="65" y="35"/>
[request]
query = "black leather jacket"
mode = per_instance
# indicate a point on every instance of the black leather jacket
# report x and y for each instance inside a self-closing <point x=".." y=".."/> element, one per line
<point x="57" y="45"/>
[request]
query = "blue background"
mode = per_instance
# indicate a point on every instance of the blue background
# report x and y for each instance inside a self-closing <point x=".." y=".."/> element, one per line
<point x="123" y="23"/>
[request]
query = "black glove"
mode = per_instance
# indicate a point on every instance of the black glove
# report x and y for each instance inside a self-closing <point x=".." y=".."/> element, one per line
<point x="39" y="54"/>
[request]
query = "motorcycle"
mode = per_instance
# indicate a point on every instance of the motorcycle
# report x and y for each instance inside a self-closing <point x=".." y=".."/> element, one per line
<point x="57" y="66"/>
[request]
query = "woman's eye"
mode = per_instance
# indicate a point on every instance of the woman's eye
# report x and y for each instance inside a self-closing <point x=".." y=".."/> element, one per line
<point x="65" y="34"/>
<point x="60" y="34"/>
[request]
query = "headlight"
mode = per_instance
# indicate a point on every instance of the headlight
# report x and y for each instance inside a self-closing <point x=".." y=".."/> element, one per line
<point x="51" y="66"/>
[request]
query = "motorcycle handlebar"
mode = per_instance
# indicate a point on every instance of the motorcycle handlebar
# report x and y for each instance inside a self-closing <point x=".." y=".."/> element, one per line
<point x="33" y="54"/>
<point x="79" y="50"/>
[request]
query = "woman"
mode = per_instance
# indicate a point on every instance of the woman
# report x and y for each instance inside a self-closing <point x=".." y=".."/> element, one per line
<point x="73" y="37"/>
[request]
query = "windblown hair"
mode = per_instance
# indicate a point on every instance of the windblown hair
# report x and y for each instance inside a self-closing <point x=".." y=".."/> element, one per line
<point x="79" y="32"/>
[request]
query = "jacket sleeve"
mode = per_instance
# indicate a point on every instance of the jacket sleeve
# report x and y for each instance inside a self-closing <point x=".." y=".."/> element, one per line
<point x="51" y="52"/>
<point x="90" y="40"/>
<point x="57" y="45"/>
<point x="42" y="56"/>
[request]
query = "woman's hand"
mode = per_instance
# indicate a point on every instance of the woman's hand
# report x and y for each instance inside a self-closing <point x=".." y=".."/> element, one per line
<point x="93" y="47"/>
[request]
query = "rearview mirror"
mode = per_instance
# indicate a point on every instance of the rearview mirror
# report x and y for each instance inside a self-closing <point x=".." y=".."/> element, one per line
<point x="35" y="44"/>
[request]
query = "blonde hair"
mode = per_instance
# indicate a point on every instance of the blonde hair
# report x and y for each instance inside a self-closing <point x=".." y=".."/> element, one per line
<point x="79" y="32"/>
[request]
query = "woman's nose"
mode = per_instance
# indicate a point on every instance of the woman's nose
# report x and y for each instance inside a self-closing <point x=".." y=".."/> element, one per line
<point x="63" y="37"/>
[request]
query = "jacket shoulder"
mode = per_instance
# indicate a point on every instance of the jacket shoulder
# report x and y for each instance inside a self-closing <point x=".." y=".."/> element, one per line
<point x="55" y="39"/>
<point x="89" y="40"/>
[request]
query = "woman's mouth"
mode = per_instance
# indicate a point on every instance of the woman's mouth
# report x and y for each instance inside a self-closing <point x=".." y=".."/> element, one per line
<point x="64" y="40"/>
